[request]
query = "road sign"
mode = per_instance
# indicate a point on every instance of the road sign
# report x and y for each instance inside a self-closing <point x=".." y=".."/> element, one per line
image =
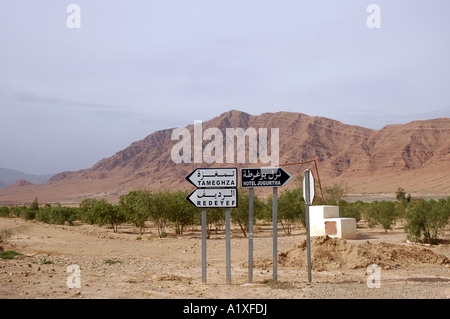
<point x="217" y="197"/>
<point x="216" y="187"/>
<point x="213" y="177"/>
<point x="264" y="177"/>
<point x="311" y="194"/>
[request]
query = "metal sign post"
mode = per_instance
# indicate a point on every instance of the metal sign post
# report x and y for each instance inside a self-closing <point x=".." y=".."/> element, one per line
<point x="204" y="245"/>
<point x="275" y="232"/>
<point x="228" y="244"/>
<point x="308" y="195"/>
<point x="216" y="187"/>
<point x="250" y="235"/>
<point x="264" y="177"/>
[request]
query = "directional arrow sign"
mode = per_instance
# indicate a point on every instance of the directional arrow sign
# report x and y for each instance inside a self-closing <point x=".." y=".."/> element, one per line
<point x="218" y="197"/>
<point x="213" y="177"/>
<point x="264" y="177"/>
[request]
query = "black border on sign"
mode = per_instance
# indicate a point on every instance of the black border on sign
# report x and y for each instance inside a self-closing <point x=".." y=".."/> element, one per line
<point x="237" y="198"/>
<point x="278" y="167"/>
<point x="213" y="168"/>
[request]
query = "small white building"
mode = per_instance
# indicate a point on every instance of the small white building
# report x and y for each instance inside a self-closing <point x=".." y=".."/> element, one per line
<point x="325" y="220"/>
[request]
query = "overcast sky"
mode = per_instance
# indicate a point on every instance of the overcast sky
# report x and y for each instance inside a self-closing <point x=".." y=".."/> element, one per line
<point x="72" y="96"/>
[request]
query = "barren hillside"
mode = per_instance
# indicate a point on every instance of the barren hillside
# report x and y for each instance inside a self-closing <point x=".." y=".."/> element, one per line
<point x="415" y="156"/>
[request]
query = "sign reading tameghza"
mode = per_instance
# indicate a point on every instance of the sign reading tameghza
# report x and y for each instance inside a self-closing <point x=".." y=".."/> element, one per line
<point x="213" y="177"/>
<point x="214" y="197"/>
<point x="216" y="187"/>
<point x="264" y="177"/>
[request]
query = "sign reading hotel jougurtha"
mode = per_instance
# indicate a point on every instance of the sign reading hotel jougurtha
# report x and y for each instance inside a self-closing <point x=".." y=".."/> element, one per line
<point x="214" y="197"/>
<point x="213" y="177"/>
<point x="264" y="177"/>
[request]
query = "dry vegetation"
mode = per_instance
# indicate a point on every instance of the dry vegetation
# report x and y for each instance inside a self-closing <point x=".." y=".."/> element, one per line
<point x="128" y="265"/>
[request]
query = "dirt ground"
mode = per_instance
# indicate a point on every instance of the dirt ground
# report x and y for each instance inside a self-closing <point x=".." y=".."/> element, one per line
<point x="127" y="266"/>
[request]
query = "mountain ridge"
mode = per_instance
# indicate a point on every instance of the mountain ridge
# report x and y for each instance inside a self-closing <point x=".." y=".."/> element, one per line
<point x="411" y="155"/>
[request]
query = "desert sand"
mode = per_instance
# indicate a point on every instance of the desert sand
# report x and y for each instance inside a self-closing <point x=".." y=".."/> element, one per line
<point x="123" y="265"/>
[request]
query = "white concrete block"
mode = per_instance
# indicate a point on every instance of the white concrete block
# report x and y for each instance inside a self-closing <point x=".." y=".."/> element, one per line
<point x="324" y="220"/>
<point x="345" y="228"/>
<point x="317" y="215"/>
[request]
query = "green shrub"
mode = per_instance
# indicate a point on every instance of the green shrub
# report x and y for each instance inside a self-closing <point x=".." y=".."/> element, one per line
<point x="4" y="211"/>
<point x="9" y="254"/>
<point x="427" y="219"/>
<point x="58" y="215"/>
<point x="291" y="209"/>
<point x="381" y="213"/>
<point x="351" y="210"/>
<point x="86" y="213"/>
<point x="136" y="207"/>
<point x="19" y="211"/>
<point x="29" y="214"/>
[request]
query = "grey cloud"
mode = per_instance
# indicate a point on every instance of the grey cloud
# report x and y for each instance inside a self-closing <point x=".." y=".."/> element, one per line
<point x="51" y="100"/>
<point x="108" y="110"/>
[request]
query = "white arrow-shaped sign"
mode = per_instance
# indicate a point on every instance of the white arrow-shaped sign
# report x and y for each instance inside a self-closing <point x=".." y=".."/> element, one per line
<point x="213" y="177"/>
<point x="217" y="197"/>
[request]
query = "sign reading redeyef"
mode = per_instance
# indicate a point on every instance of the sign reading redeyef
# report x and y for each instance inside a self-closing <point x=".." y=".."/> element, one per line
<point x="215" y="197"/>
<point x="213" y="177"/>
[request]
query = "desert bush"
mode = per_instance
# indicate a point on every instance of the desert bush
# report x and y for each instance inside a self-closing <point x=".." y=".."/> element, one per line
<point x="381" y="213"/>
<point x="104" y="213"/>
<point x="426" y="219"/>
<point x="35" y="205"/>
<point x="86" y="213"/>
<point x="400" y="194"/>
<point x="18" y="211"/>
<point x="136" y="207"/>
<point x="291" y="209"/>
<point x="4" y="211"/>
<point x="58" y="215"/>
<point x="10" y="254"/>
<point x="336" y="192"/>
<point x="183" y="213"/>
<point x="162" y="207"/>
<point x="351" y="210"/>
<point x="29" y="214"/>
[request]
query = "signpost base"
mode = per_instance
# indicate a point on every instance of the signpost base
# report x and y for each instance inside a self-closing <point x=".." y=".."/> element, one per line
<point x="204" y="245"/>
<point x="228" y="244"/>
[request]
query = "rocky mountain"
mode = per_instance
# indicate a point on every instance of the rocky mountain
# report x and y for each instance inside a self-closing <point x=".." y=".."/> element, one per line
<point x="415" y="156"/>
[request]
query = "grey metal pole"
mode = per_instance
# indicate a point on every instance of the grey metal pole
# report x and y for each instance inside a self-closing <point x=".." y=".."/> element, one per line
<point x="275" y="232"/>
<point x="228" y="244"/>
<point x="204" y="245"/>
<point x="308" y="237"/>
<point x="250" y="235"/>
